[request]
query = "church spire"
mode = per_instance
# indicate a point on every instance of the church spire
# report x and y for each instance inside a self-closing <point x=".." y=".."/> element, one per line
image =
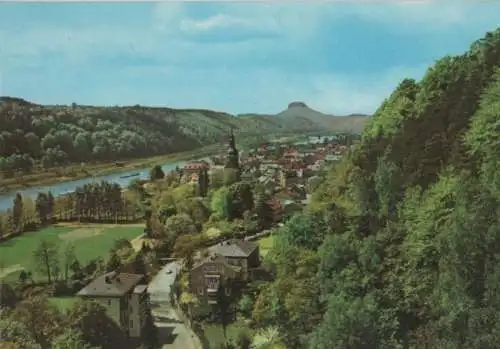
<point x="233" y="161"/>
<point x="232" y="143"/>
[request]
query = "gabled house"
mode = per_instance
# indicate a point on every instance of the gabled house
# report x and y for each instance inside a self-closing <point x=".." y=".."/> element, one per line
<point x="125" y="298"/>
<point x="226" y="263"/>
<point x="195" y="167"/>
<point x="244" y="254"/>
<point x="207" y="275"/>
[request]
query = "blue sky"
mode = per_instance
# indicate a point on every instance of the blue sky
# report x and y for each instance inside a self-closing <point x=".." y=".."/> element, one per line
<point x="338" y="57"/>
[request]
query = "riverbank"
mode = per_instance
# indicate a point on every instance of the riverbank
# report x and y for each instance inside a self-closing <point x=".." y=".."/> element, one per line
<point x="79" y="171"/>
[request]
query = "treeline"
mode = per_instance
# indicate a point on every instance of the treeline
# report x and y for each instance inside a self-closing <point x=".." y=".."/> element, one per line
<point x="54" y="136"/>
<point x="36" y="136"/>
<point x="400" y="247"/>
<point x="102" y="202"/>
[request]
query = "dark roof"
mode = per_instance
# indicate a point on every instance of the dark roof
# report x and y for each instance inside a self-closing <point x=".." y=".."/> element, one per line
<point x="218" y="259"/>
<point x="140" y="288"/>
<point x="111" y="285"/>
<point x="234" y="248"/>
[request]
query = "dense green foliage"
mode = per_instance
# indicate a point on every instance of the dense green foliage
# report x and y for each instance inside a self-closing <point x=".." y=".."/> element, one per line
<point x="403" y="252"/>
<point x="36" y="324"/>
<point x="57" y="135"/>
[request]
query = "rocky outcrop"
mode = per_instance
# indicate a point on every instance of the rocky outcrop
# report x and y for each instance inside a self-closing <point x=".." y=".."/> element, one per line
<point x="297" y="104"/>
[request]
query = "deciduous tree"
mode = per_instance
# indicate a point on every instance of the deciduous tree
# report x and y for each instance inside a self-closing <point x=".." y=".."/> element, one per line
<point x="47" y="259"/>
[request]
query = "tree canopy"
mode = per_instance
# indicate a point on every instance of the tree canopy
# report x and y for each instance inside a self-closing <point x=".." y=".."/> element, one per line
<point x="402" y="236"/>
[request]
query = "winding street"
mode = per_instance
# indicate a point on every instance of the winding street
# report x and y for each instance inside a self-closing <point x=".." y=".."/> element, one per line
<point x="172" y="332"/>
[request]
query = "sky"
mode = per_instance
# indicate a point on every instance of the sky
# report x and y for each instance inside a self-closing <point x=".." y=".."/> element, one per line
<point x="247" y="57"/>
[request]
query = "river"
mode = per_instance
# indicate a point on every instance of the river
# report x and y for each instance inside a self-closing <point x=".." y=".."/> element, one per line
<point x="69" y="186"/>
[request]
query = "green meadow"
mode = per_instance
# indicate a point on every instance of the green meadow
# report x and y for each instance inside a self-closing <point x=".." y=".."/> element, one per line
<point x="90" y="242"/>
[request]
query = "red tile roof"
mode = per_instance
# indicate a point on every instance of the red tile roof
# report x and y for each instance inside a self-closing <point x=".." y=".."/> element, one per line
<point x="195" y="166"/>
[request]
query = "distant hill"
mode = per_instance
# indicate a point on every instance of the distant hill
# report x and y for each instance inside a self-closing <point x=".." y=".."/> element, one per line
<point x="57" y="134"/>
<point x="299" y="117"/>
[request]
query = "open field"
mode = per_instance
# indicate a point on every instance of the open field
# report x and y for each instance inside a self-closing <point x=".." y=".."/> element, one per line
<point x="78" y="171"/>
<point x="265" y="244"/>
<point x="91" y="241"/>
<point x="63" y="303"/>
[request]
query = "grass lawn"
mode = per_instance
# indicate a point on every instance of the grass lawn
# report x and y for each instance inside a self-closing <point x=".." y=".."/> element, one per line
<point x="265" y="244"/>
<point x="90" y="242"/>
<point x="63" y="303"/>
<point x="215" y="335"/>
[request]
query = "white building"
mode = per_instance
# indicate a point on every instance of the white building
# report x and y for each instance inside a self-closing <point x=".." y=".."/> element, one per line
<point x="125" y="298"/>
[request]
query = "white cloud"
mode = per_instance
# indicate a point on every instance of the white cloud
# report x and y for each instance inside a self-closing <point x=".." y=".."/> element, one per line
<point x="297" y="22"/>
<point x="214" y="22"/>
<point x="168" y="40"/>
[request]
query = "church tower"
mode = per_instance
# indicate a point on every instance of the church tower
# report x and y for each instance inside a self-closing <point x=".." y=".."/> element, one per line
<point x="233" y="158"/>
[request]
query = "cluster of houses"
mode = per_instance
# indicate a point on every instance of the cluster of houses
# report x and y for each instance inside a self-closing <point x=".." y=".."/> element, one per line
<point x="125" y="297"/>
<point x="287" y="171"/>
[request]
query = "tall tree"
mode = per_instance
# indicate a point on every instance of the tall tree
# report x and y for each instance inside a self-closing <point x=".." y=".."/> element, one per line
<point x="17" y="214"/>
<point x="156" y="173"/>
<point x="8" y="296"/>
<point x="42" y="208"/>
<point x="47" y="259"/>
<point x="114" y="262"/>
<point x="223" y="305"/>
<point x="41" y="319"/>
<point x="69" y="258"/>
<point x="263" y="210"/>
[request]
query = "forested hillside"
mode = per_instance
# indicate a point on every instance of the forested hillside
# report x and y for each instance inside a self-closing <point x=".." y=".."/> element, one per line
<point x="57" y="135"/>
<point x="401" y="246"/>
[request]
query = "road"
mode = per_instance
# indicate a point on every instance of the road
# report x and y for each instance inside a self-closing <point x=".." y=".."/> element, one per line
<point x="173" y="333"/>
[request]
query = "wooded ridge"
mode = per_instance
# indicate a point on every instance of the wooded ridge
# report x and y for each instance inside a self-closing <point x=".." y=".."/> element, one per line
<point x="57" y="135"/>
<point x="400" y="247"/>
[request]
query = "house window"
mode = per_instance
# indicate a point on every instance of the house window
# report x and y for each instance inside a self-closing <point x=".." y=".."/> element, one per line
<point x="131" y="323"/>
<point x="212" y="282"/>
<point x="200" y="291"/>
<point x="109" y="302"/>
<point x="228" y="291"/>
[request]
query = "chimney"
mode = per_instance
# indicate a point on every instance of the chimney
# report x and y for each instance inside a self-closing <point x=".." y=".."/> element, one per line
<point x="109" y="277"/>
